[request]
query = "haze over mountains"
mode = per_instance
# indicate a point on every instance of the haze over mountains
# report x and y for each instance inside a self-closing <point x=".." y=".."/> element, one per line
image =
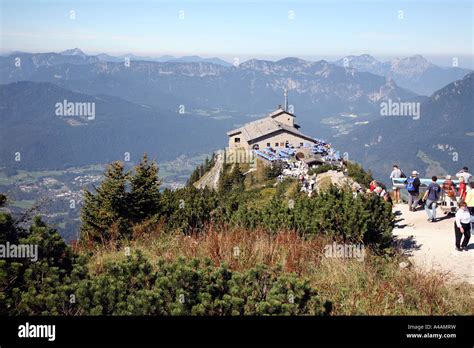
<point x="414" y="73"/>
<point x="317" y="88"/>
<point x="185" y="105"/>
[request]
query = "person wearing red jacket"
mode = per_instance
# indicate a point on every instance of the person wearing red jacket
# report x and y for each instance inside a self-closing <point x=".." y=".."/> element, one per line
<point x="462" y="189"/>
<point x="373" y="185"/>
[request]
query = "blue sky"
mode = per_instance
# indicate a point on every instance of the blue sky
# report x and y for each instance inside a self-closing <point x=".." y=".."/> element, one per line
<point x="243" y="29"/>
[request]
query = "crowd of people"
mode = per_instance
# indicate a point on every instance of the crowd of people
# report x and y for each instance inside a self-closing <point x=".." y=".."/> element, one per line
<point x="451" y="195"/>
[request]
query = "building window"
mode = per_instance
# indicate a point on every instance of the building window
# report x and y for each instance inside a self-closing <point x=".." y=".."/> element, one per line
<point x="268" y="145"/>
<point x="237" y="140"/>
<point x="282" y="144"/>
<point x="301" y="144"/>
<point x="276" y="144"/>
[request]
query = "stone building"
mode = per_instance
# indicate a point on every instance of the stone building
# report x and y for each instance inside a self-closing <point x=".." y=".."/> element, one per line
<point x="277" y="130"/>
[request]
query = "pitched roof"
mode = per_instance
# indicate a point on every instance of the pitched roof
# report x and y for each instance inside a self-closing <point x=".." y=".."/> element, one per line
<point x="278" y="112"/>
<point x="265" y="126"/>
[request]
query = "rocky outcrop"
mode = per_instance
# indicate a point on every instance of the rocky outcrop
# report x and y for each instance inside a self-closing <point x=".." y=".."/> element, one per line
<point x="324" y="180"/>
<point x="211" y="178"/>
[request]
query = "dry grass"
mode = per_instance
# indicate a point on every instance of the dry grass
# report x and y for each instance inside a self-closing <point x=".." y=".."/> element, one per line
<point x="375" y="286"/>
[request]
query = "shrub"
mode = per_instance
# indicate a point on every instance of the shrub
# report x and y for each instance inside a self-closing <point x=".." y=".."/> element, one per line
<point x="35" y="288"/>
<point x="356" y="172"/>
<point x="273" y="170"/>
<point x="193" y="287"/>
<point x="336" y="212"/>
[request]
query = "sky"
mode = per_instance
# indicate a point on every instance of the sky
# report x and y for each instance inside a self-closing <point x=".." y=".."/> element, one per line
<point x="243" y="29"/>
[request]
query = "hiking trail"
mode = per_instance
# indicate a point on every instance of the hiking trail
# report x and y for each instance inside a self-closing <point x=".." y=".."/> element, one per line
<point x="430" y="245"/>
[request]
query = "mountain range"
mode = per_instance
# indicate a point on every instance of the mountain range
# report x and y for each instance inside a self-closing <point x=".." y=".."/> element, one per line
<point x="166" y="58"/>
<point x="45" y="140"/>
<point x="167" y="108"/>
<point x="414" y="73"/>
<point x="317" y="89"/>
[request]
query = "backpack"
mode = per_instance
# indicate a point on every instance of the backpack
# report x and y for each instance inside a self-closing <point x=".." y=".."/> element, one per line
<point x="448" y="187"/>
<point x="410" y="187"/>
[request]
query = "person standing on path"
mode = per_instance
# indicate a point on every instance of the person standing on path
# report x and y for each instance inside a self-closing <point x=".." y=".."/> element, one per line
<point x="449" y="190"/>
<point x="396" y="173"/>
<point x="470" y="199"/>
<point x="462" y="189"/>
<point x="431" y="197"/>
<point x="413" y="188"/>
<point x="462" y="227"/>
<point x="465" y="173"/>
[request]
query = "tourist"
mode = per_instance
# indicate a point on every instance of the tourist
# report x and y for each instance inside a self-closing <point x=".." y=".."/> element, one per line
<point x="470" y="199"/>
<point x="373" y="185"/>
<point x="312" y="182"/>
<point x="465" y="173"/>
<point x="450" y="192"/>
<point x="413" y="188"/>
<point x="379" y="191"/>
<point x="396" y="173"/>
<point x="431" y="197"/>
<point x="462" y="227"/>
<point x="462" y="189"/>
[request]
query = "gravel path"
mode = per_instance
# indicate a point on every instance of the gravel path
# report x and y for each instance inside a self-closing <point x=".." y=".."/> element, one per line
<point x="431" y="245"/>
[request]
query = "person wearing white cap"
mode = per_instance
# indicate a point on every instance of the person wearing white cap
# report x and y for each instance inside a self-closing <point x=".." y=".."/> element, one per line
<point x="413" y="188"/>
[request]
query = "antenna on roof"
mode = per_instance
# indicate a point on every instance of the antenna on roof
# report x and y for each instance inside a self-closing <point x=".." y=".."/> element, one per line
<point x="286" y="99"/>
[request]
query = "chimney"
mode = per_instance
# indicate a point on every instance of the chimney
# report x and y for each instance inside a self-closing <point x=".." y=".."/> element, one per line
<point x="286" y="99"/>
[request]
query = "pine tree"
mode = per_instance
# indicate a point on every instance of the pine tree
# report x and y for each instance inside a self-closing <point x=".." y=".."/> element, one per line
<point x="145" y="191"/>
<point x="104" y="214"/>
<point x="237" y="178"/>
<point x="224" y="185"/>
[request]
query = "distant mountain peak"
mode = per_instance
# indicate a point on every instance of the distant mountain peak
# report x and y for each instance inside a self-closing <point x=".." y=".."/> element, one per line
<point x="363" y="57"/>
<point x="416" y="62"/>
<point x="73" y="52"/>
<point x="256" y="64"/>
<point x="292" y="60"/>
<point x="198" y="59"/>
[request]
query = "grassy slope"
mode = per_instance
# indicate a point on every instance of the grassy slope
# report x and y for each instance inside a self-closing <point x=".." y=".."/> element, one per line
<point x="376" y="286"/>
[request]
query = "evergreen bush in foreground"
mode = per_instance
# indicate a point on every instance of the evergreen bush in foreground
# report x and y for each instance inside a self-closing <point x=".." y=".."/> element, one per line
<point x="193" y="287"/>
